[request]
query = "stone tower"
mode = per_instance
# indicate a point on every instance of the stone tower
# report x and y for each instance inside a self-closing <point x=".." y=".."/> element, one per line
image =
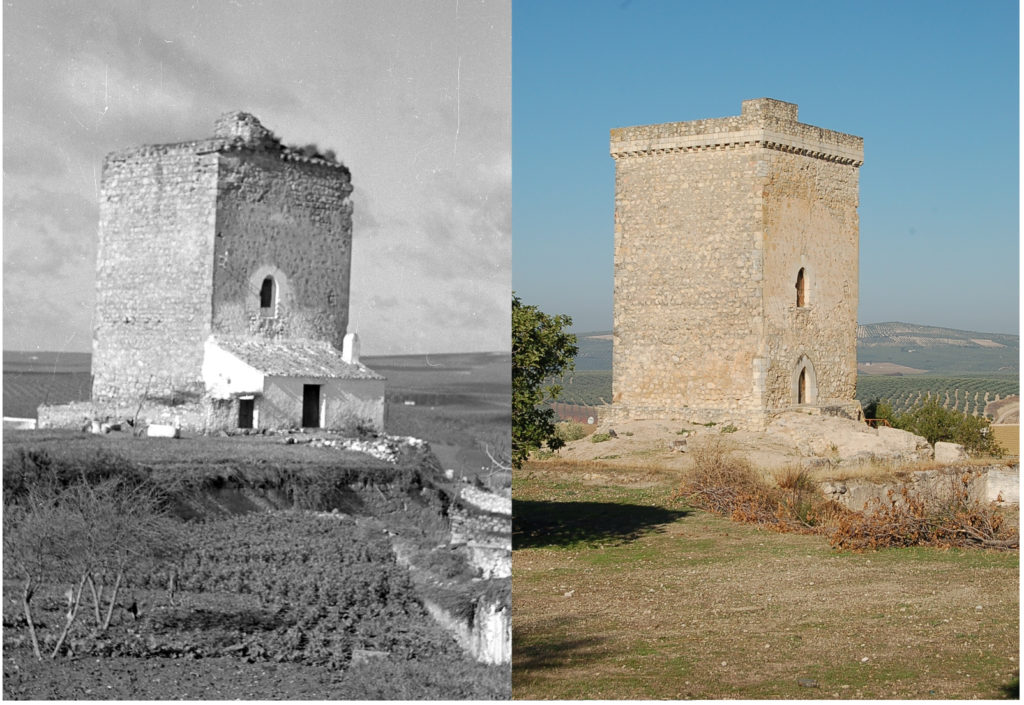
<point x="736" y="259"/>
<point x="223" y="281"/>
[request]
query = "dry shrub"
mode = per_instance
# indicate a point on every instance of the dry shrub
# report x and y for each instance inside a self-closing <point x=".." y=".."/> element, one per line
<point x="942" y="519"/>
<point x="727" y="485"/>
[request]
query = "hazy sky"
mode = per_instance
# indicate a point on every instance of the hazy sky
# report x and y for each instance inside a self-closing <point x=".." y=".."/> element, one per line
<point x="931" y="86"/>
<point x="413" y="96"/>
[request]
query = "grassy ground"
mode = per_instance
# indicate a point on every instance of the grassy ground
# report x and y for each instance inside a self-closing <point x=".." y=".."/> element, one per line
<point x="620" y="593"/>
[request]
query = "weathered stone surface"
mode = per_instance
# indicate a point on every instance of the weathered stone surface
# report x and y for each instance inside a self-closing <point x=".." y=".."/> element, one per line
<point x="716" y="223"/>
<point x="845" y="441"/>
<point x="187" y="234"/>
<point x="949" y="452"/>
<point x="985" y="484"/>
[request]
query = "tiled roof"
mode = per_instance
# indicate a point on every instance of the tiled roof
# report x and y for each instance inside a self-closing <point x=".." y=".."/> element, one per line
<point x="294" y="358"/>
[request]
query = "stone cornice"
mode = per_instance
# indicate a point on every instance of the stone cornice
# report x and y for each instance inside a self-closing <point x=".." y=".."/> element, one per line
<point x="851" y="153"/>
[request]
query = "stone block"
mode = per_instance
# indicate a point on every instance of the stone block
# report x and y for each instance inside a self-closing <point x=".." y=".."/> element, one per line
<point x="949" y="452"/>
<point x="159" y="430"/>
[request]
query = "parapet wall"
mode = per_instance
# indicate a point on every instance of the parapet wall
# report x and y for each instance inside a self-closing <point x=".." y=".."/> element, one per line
<point x="763" y="122"/>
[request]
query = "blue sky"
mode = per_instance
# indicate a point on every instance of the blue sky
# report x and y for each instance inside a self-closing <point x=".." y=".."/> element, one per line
<point x="932" y="87"/>
<point x="414" y="98"/>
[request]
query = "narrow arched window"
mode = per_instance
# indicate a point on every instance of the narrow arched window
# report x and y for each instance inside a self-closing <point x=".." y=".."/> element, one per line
<point x="801" y="288"/>
<point x="801" y="389"/>
<point x="268" y="298"/>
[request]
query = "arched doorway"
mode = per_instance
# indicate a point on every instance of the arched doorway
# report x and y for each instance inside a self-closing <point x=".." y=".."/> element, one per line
<point x="805" y="383"/>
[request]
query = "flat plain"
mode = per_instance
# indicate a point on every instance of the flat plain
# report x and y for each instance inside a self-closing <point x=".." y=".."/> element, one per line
<point x="621" y="592"/>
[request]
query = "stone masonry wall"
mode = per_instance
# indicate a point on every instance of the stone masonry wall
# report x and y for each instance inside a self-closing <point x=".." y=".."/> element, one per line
<point x="713" y="220"/>
<point x="154" y="263"/>
<point x="810" y="222"/>
<point x="291" y="220"/>
<point x="187" y="234"/>
<point x="687" y="320"/>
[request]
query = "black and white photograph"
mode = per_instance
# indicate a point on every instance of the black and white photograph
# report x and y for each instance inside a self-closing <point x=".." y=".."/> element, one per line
<point x="256" y="324"/>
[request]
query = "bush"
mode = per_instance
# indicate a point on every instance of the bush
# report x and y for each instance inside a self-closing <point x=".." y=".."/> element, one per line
<point x="936" y="423"/>
<point x="570" y="431"/>
<point x="880" y="409"/>
<point x="600" y="437"/>
<point x="727" y="485"/>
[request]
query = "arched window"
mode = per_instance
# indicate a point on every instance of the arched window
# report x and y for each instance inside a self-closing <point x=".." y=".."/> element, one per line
<point x="268" y="298"/>
<point x="801" y="388"/>
<point x="801" y="288"/>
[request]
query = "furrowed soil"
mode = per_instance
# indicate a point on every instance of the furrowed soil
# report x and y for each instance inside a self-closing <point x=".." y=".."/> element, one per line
<point x="460" y="406"/>
<point x="621" y="593"/>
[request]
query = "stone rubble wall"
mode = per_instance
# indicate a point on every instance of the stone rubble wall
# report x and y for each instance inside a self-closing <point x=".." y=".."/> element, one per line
<point x="996" y="483"/>
<point x="290" y="220"/>
<point x="192" y="416"/>
<point x="488" y="640"/>
<point x="488" y="501"/>
<point x="154" y="267"/>
<point x="687" y="323"/>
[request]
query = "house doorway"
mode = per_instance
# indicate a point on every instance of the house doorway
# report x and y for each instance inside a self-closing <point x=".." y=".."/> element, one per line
<point x="311" y="406"/>
<point x="246" y="407"/>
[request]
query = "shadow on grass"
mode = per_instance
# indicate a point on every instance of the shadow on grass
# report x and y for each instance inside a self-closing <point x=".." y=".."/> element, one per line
<point x="552" y="644"/>
<point x="537" y="524"/>
<point x="1011" y="691"/>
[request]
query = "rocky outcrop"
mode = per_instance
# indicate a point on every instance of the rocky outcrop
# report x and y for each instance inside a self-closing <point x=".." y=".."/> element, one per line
<point x="846" y="441"/>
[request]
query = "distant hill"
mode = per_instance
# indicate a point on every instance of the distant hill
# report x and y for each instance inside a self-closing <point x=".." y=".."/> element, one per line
<point x="46" y="361"/>
<point x="595" y="350"/>
<point x="927" y="349"/>
<point x="938" y="351"/>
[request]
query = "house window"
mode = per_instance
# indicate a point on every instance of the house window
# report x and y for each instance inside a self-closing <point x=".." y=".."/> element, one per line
<point x="801" y="288"/>
<point x="268" y="298"/>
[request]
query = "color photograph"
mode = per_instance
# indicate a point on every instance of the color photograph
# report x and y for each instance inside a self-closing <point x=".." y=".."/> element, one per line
<point x="766" y="259"/>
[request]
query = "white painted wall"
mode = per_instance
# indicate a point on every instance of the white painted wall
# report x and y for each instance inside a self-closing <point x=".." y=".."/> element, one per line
<point x="342" y="402"/>
<point x="225" y="375"/>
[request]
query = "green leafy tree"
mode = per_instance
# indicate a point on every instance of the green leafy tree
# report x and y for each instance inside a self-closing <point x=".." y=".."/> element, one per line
<point x="541" y="349"/>
<point x="936" y="423"/>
